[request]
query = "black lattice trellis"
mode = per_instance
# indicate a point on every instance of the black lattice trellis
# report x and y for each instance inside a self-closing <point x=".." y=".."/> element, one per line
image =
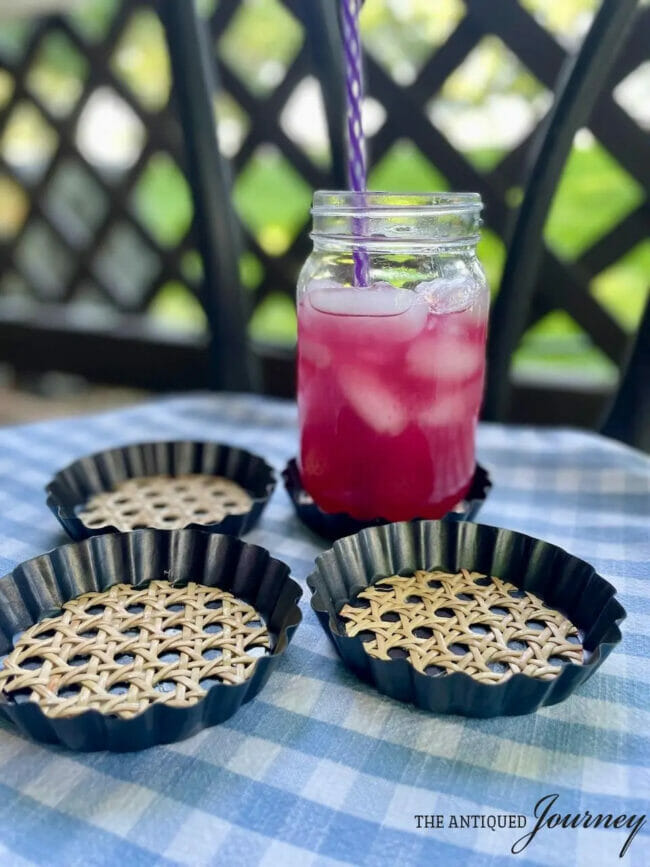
<point x="113" y="215"/>
<point x="89" y="243"/>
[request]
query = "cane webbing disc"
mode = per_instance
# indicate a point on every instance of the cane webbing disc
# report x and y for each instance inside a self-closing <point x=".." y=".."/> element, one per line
<point x="165" y="502"/>
<point x="120" y="650"/>
<point x="443" y="623"/>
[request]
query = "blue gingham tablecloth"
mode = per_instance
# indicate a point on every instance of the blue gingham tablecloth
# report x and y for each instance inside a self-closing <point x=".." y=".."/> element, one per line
<point x="319" y="769"/>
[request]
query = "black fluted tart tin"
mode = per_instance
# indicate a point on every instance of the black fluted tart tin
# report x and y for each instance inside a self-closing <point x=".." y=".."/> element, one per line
<point x="334" y="526"/>
<point x="561" y="580"/>
<point x="71" y="487"/>
<point x="38" y="588"/>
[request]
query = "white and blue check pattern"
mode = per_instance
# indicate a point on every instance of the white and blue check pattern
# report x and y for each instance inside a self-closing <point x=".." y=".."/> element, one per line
<point x="319" y="769"/>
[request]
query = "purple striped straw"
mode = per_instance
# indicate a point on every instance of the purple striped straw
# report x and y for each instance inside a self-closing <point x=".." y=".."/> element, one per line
<point x="356" y="149"/>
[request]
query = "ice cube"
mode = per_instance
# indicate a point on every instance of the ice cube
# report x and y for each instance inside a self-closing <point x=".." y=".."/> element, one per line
<point x="376" y="405"/>
<point x="375" y="313"/>
<point x="380" y="299"/>
<point x="444" y="357"/>
<point x="448" y="295"/>
<point x="314" y="352"/>
<point x="448" y="410"/>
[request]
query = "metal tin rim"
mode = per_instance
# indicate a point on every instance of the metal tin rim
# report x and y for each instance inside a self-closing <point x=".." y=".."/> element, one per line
<point x="463" y="694"/>
<point x="266" y="583"/>
<point x="328" y="524"/>
<point x="62" y="500"/>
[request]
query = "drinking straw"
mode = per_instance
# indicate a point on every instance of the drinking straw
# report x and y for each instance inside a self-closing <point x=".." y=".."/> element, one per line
<point x="354" y="91"/>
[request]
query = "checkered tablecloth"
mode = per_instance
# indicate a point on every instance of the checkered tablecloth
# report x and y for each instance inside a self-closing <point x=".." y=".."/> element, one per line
<point x="320" y="769"/>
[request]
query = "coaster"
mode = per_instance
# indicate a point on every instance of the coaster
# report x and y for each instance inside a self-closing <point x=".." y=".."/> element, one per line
<point x="127" y="640"/>
<point x="119" y="651"/>
<point x="334" y="526"/>
<point x="211" y="486"/>
<point x="411" y="608"/>
<point x="443" y="622"/>
<point x="165" y="503"/>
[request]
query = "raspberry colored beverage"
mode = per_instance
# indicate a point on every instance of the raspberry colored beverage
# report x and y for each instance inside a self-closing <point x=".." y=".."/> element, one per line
<point x="392" y="311"/>
<point x="389" y="393"/>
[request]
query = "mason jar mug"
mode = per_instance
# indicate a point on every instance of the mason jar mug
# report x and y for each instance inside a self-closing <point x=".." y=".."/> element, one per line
<point x="392" y="319"/>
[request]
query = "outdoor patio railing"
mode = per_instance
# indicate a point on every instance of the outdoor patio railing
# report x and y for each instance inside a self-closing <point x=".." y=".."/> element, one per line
<point x="85" y="253"/>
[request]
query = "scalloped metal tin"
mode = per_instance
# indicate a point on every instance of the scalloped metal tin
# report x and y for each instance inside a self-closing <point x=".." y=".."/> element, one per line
<point x="37" y="589"/>
<point x="561" y="580"/>
<point x="334" y="526"/>
<point x="91" y="474"/>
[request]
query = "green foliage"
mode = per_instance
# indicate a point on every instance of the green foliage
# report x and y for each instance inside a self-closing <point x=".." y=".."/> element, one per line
<point x="623" y="287"/>
<point x="562" y="17"/>
<point x="272" y="199"/>
<point x="557" y="342"/>
<point x="261" y="41"/>
<point x="405" y="169"/>
<point x="162" y="200"/>
<point x="13" y="35"/>
<point x="93" y="17"/>
<point x="489" y="69"/>
<point x="492" y="253"/>
<point x="251" y="270"/>
<point x="141" y="61"/>
<point x="401" y="34"/>
<point x="177" y="308"/>
<point x="274" y="320"/>
<point x="593" y="195"/>
<point x="57" y="74"/>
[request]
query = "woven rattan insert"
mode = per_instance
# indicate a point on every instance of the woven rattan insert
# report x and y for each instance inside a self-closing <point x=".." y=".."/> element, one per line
<point x="165" y="502"/>
<point x="443" y="623"/>
<point x="123" y="649"/>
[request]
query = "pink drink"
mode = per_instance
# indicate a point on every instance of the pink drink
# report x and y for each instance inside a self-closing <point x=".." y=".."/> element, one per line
<point x="389" y="392"/>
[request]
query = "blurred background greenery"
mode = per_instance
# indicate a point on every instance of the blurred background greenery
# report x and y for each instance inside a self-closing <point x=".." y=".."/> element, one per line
<point x="485" y="108"/>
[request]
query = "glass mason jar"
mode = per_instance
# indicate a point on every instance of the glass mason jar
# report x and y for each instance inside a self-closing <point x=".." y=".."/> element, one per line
<point x="392" y="320"/>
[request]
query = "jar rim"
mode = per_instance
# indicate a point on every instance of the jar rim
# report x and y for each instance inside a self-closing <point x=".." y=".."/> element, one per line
<point x="341" y="202"/>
